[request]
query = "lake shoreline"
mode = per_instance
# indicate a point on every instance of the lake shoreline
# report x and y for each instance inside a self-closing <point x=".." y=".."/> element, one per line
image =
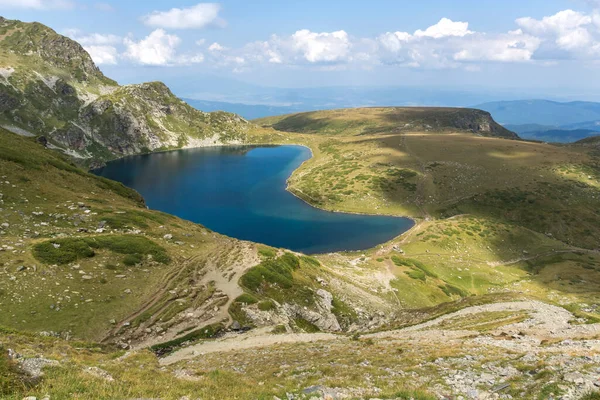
<point x="266" y="214"/>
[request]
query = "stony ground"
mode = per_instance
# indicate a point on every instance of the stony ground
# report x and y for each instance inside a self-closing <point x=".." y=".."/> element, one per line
<point x="513" y="350"/>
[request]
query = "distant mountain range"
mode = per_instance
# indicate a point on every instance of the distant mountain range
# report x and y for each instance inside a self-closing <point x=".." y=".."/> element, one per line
<point x="248" y="111"/>
<point x="546" y="120"/>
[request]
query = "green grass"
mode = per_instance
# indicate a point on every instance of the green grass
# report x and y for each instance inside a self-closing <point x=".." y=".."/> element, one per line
<point x="207" y="332"/>
<point x="266" y="252"/>
<point x="65" y="251"/>
<point x="591" y="396"/>
<point x="246" y="299"/>
<point x="272" y="272"/>
<point x="12" y="380"/>
<point x="306" y="326"/>
<point x="266" y="305"/>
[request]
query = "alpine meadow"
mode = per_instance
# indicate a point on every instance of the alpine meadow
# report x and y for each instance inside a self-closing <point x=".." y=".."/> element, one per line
<point x="486" y="283"/>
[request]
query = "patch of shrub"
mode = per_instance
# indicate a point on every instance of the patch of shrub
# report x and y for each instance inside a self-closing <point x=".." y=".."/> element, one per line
<point x="450" y="290"/>
<point x="306" y="326"/>
<point x="246" y="298"/>
<point x="277" y="272"/>
<point x="207" y="332"/>
<point x="310" y="261"/>
<point x="266" y="305"/>
<point x="65" y="251"/>
<point x="279" y="329"/>
<point x="417" y="274"/>
<point x="132" y="259"/>
<point x="266" y="252"/>
<point x="131" y="245"/>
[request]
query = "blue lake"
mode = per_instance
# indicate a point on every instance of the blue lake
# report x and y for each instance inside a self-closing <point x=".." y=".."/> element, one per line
<point x="241" y="192"/>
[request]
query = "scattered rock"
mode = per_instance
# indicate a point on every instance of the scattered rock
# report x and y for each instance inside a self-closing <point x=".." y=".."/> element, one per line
<point x="99" y="373"/>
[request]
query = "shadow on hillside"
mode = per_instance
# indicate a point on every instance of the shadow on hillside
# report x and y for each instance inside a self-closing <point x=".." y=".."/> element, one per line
<point x="561" y="209"/>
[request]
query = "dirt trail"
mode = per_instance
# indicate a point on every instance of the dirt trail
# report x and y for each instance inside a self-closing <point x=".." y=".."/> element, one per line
<point x="546" y="321"/>
<point x="230" y="342"/>
<point x="170" y="277"/>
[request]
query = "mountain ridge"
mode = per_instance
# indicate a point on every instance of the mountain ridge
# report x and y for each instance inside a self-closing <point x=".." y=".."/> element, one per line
<point x="69" y="101"/>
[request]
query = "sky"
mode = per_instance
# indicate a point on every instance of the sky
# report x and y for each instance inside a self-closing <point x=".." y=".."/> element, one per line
<point x="544" y="47"/>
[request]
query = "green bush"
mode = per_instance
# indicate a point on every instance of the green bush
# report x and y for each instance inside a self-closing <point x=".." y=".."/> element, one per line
<point x="65" y="251"/>
<point x="132" y="259"/>
<point x="310" y="261"/>
<point x="449" y="290"/>
<point x="266" y="252"/>
<point x="266" y="305"/>
<point x="409" y="262"/>
<point x="417" y="274"/>
<point x="306" y="326"/>
<point x="207" y="332"/>
<point x="277" y="272"/>
<point x="246" y="299"/>
<point x="131" y="245"/>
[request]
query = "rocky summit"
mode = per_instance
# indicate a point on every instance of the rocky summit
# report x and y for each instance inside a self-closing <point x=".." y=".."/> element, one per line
<point x="50" y="87"/>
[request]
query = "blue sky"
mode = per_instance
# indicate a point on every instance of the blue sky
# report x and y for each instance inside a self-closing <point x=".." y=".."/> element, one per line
<point x="547" y="47"/>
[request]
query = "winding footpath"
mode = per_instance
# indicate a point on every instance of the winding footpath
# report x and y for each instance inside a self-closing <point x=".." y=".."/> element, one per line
<point x="545" y="321"/>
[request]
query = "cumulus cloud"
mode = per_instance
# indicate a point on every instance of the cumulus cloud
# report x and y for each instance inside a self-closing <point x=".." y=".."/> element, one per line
<point x="321" y="47"/>
<point x="448" y="44"/>
<point x="92" y="38"/>
<point x="566" y="34"/>
<point x="101" y="47"/>
<point x="158" y="48"/>
<point x="102" y="54"/>
<point x="446" y="27"/>
<point x="37" y="4"/>
<point x="216" y="47"/>
<point x="199" y="16"/>
<point x="512" y="47"/>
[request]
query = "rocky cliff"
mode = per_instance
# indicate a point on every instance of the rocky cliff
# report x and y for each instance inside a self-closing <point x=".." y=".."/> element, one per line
<point x="49" y="86"/>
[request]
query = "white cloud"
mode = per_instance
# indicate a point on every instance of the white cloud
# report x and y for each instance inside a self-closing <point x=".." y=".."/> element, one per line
<point x="569" y="30"/>
<point x="158" y="48"/>
<point x="511" y="47"/>
<point x="394" y="41"/>
<point x="196" y="17"/>
<point x="37" y="4"/>
<point x="200" y="42"/>
<point x="444" y="28"/>
<point x="322" y="47"/>
<point x="102" y="54"/>
<point x="101" y="47"/>
<point x="92" y="38"/>
<point x="216" y="47"/>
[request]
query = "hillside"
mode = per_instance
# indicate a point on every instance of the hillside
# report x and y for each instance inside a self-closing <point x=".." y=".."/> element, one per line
<point x="82" y="259"/>
<point x="592" y="142"/>
<point x="559" y="135"/>
<point x="543" y="112"/>
<point x="493" y="294"/>
<point x="51" y="87"/>
<point x="364" y="121"/>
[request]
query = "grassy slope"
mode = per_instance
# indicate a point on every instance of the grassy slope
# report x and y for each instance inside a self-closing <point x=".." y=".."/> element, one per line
<point x="495" y="214"/>
<point x="46" y="201"/>
<point x="445" y="259"/>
